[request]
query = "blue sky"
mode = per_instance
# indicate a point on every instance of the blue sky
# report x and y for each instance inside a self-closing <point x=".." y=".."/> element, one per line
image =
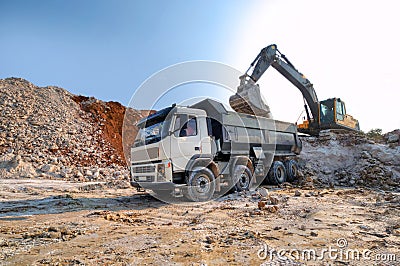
<point x="106" y="49"/>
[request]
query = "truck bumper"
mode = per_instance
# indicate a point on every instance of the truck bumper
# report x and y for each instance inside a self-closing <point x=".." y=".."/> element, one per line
<point x="155" y="185"/>
<point x="153" y="176"/>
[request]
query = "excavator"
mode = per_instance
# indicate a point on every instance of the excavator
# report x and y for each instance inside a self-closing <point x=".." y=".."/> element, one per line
<point x="321" y="115"/>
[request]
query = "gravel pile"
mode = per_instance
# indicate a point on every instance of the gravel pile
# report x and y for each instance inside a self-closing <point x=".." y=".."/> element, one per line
<point x="350" y="159"/>
<point x="47" y="132"/>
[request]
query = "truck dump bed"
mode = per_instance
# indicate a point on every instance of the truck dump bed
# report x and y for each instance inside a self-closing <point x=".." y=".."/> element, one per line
<point x="238" y="131"/>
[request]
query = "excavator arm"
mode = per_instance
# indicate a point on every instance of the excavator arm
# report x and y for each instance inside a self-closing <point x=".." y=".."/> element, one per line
<point x="248" y="90"/>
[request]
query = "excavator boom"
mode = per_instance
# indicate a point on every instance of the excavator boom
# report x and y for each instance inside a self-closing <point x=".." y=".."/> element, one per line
<point x="270" y="56"/>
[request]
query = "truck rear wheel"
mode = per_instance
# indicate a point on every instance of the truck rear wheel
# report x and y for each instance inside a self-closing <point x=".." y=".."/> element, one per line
<point x="291" y="169"/>
<point x="277" y="173"/>
<point x="201" y="185"/>
<point x="243" y="176"/>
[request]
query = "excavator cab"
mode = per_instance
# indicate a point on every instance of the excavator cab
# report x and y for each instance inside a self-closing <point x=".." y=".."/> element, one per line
<point x="332" y="114"/>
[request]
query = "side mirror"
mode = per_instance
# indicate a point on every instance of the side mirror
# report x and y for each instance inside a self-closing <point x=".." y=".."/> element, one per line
<point x="173" y="131"/>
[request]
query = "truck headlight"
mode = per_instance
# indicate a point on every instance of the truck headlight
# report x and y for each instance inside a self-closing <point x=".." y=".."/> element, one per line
<point x="161" y="172"/>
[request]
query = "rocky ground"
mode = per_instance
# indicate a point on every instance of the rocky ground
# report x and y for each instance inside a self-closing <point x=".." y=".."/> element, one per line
<point x="65" y="198"/>
<point x="55" y="222"/>
<point x="352" y="159"/>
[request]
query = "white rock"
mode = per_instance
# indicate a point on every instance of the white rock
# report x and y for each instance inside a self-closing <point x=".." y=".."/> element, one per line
<point x="263" y="192"/>
<point x="392" y="138"/>
<point x="47" y="168"/>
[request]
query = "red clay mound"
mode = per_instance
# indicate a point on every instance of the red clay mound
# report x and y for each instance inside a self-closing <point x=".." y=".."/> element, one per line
<point x="110" y="117"/>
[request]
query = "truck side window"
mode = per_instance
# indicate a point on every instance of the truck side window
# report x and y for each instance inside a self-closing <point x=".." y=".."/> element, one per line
<point x="178" y="122"/>
<point x="189" y="128"/>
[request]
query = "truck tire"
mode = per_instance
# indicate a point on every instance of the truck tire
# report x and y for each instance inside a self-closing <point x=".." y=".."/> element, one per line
<point x="243" y="176"/>
<point x="200" y="185"/>
<point x="292" y="169"/>
<point x="277" y="173"/>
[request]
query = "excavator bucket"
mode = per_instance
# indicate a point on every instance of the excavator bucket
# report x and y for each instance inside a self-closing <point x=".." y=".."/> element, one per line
<point x="248" y="99"/>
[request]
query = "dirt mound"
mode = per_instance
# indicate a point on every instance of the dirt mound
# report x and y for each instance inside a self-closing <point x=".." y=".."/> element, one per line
<point x="51" y="133"/>
<point x="110" y="117"/>
<point x="350" y="159"/>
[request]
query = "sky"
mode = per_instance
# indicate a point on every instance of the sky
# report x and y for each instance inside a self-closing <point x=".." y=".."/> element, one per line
<point x="107" y="49"/>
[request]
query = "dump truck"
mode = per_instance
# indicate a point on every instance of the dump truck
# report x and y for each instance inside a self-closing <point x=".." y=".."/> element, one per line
<point x="321" y="115"/>
<point x="204" y="150"/>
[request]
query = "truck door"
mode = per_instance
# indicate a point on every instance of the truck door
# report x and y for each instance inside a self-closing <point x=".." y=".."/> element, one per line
<point x="185" y="140"/>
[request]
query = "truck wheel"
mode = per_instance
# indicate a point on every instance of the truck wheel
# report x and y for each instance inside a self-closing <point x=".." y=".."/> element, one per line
<point x="243" y="176"/>
<point x="201" y="185"/>
<point x="277" y="173"/>
<point x="291" y="169"/>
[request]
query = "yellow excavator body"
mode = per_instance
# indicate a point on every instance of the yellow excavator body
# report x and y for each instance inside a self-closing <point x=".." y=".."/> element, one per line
<point x="331" y="115"/>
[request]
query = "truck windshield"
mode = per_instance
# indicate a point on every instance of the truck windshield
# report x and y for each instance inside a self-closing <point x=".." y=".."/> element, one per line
<point x="149" y="134"/>
<point x="153" y="128"/>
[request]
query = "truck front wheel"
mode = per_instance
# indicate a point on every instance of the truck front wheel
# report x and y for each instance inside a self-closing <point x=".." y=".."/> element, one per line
<point x="277" y="173"/>
<point x="200" y="185"/>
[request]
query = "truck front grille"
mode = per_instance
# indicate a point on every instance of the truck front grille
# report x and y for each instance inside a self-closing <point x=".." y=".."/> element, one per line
<point x="143" y="169"/>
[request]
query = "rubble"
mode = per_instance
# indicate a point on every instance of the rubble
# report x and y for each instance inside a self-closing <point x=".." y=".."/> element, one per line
<point x="270" y="203"/>
<point x="392" y="137"/>
<point x="47" y="132"/>
<point x="349" y="159"/>
<point x="62" y="224"/>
